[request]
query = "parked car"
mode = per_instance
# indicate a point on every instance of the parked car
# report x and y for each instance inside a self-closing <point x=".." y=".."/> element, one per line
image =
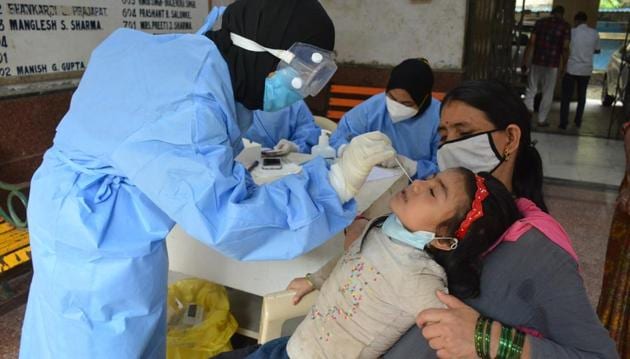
<point x="611" y="77"/>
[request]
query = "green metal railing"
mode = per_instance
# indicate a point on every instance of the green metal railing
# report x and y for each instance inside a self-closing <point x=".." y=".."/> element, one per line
<point x="15" y="192"/>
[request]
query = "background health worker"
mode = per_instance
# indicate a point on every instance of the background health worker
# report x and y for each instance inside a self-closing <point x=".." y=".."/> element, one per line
<point x="150" y="140"/>
<point x="291" y="129"/>
<point x="406" y="113"/>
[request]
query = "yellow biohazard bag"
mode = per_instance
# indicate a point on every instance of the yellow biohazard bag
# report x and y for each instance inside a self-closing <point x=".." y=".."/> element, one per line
<point x="200" y="324"/>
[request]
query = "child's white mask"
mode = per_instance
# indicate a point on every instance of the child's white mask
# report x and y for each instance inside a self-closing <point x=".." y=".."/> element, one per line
<point x="394" y="229"/>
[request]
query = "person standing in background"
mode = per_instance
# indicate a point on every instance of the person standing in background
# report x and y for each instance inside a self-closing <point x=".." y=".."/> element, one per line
<point x="550" y="43"/>
<point x="584" y="44"/>
<point x="614" y="303"/>
<point x="406" y="112"/>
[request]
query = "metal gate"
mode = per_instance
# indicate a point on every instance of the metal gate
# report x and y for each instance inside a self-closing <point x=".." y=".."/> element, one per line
<point x="489" y="40"/>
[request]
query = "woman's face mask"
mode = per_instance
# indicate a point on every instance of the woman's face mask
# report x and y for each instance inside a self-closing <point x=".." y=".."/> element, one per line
<point x="281" y="90"/>
<point x="477" y="153"/>
<point x="399" y="112"/>
<point x="303" y="71"/>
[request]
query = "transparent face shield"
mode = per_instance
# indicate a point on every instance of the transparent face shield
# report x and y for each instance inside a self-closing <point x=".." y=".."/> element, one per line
<point x="309" y="67"/>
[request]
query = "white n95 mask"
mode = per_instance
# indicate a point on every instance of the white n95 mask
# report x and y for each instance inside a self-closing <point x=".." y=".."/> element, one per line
<point x="397" y="111"/>
<point x="476" y="153"/>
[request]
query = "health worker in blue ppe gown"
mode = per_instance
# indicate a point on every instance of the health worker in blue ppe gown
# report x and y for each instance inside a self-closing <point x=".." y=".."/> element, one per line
<point x="406" y="113"/>
<point x="149" y="141"/>
<point x="291" y="129"/>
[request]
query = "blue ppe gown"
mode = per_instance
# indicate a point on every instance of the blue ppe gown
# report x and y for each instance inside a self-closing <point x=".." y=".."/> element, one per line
<point x="416" y="138"/>
<point x="150" y="140"/>
<point x="294" y="123"/>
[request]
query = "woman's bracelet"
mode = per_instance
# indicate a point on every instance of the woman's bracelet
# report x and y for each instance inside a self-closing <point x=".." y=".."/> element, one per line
<point x="517" y="347"/>
<point x="486" y="339"/>
<point x="505" y="341"/>
<point x="481" y="323"/>
<point x="482" y="337"/>
<point x="511" y="341"/>
<point x="309" y="278"/>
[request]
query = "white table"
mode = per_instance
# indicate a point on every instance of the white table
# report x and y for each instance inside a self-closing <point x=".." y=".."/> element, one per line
<point x="191" y="257"/>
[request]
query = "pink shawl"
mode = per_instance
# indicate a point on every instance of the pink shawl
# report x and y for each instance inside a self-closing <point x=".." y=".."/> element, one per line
<point x="534" y="217"/>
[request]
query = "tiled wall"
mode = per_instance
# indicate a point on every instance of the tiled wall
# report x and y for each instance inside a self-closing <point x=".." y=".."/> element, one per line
<point x="27" y="127"/>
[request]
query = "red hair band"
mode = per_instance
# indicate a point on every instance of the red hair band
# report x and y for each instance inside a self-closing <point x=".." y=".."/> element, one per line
<point x="476" y="210"/>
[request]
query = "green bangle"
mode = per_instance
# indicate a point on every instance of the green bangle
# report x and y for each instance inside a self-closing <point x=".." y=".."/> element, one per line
<point x="505" y="342"/>
<point x="513" y="334"/>
<point x="481" y="322"/>
<point x="517" y="347"/>
<point x="486" y="339"/>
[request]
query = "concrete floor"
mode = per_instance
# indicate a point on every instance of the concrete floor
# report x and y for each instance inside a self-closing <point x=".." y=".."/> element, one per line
<point x="597" y="120"/>
<point x="585" y="154"/>
<point x="581" y="158"/>
<point x="10" y="325"/>
<point x="585" y="211"/>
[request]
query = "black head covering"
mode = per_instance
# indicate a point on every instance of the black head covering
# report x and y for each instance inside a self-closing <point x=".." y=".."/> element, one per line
<point x="275" y="24"/>
<point x="416" y="77"/>
<point x="557" y="10"/>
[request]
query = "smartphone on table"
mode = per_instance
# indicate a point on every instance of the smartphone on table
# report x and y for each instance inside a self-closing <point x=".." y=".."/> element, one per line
<point x="271" y="163"/>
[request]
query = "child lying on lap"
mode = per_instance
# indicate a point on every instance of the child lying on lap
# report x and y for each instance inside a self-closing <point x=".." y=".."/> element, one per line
<point x="371" y="295"/>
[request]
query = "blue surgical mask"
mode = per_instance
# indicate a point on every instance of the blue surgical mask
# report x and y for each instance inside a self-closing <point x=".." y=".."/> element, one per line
<point x="280" y="90"/>
<point x="394" y="229"/>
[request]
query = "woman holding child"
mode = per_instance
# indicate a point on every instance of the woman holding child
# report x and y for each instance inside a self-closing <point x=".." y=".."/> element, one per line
<point x="531" y="281"/>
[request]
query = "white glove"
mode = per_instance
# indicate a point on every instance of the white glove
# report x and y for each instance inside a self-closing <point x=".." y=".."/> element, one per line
<point x="341" y="149"/>
<point x="364" y="152"/>
<point x="285" y="146"/>
<point x="410" y="165"/>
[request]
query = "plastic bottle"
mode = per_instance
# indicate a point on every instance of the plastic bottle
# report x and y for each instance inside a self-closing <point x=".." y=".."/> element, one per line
<point x="324" y="149"/>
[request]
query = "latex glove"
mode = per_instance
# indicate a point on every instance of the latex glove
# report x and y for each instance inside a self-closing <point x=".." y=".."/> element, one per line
<point x="364" y="152"/>
<point x="341" y="149"/>
<point x="285" y="146"/>
<point x="410" y="165"/>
